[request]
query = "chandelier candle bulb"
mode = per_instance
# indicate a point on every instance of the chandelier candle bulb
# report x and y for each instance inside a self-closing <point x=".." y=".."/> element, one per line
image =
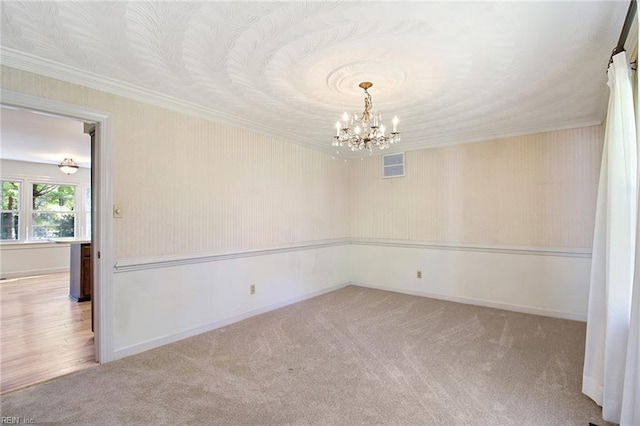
<point x="337" y="128"/>
<point x="395" y="123"/>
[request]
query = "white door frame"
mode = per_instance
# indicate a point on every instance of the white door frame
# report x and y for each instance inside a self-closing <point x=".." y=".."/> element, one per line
<point x="103" y="235"/>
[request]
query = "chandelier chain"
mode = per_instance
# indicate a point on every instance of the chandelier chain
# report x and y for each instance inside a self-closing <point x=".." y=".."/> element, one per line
<point x="368" y="107"/>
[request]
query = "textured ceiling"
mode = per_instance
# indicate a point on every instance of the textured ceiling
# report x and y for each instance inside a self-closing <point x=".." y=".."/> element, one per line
<point x="452" y="71"/>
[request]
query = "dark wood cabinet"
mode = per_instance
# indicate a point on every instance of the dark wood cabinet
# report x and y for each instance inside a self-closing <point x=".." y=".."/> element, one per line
<point x="81" y="273"/>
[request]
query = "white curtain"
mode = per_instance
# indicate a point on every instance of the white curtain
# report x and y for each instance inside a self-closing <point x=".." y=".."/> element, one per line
<point x="610" y="375"/>
<point x="631" y="395"/>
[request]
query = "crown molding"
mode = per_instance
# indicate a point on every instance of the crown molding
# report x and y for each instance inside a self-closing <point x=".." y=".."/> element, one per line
<point x="52" y="69"/>
<point x="446" y="140"/>
<point x="510" y="132"/>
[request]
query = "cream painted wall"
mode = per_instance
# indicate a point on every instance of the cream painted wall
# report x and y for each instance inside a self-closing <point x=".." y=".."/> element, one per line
<point x="535" y="190"/>
<point x="505" y="223"/>
<point x="22" y="260"/>
<point x="189" y="185"/>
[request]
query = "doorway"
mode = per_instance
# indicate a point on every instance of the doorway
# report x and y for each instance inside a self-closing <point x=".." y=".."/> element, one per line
<point x="101" y="223"/>
<point x="46" y="221"/>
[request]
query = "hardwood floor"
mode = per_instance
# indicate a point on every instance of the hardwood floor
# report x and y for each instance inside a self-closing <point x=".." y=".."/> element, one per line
<point x="43" y="333"/>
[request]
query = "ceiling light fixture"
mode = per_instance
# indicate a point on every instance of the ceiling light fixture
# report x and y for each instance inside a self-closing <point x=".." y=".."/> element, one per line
<point x="68" y="166"/>
<point x="367" y="130"/>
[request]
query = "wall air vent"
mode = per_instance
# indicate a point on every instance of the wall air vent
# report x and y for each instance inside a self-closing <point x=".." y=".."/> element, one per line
<point x="393" y="165"/>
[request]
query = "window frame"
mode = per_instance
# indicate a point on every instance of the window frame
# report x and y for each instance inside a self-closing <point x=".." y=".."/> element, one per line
<point x="34" y="212"/>
<point x="25" y="213"/>
<point x="18" y="211"/>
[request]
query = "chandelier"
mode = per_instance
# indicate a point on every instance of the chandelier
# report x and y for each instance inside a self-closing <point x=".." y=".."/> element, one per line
<point x="365" y="131"/>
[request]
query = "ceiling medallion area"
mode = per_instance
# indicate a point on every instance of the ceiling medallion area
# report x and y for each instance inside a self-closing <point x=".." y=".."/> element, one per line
<point x="346" y="78"/>
<point x="365" y="131"/>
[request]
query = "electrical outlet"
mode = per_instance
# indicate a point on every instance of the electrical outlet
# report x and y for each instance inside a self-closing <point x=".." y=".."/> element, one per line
<point x="419" y="274"/>
<point x="252" y="289"/>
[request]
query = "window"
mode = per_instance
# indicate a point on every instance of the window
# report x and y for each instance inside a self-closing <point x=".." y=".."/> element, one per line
<point x="10" y="221"/>
<point x="53" y="211"/>
<point x="36" y="210"/>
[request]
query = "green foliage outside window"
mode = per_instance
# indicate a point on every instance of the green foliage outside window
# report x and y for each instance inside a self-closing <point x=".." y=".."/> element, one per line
<point x="9" y="220"/>
<point x="53" y="211"/>
<point x="53" y="197"/>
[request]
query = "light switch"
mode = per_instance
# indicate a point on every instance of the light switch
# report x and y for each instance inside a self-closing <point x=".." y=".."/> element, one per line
<point x="117" y="212"/>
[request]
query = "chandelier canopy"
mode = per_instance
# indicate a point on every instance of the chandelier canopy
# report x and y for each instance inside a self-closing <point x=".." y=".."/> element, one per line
<point x="365" y="131"/>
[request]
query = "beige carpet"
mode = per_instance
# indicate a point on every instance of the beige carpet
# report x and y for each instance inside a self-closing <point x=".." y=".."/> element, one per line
<point x="352" y="356"/>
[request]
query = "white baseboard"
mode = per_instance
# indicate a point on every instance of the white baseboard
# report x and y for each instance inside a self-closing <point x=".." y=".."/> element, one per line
<point x="32" y="272"/>
<point x="154" y="343"/>
<point x="481" y="302"/>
